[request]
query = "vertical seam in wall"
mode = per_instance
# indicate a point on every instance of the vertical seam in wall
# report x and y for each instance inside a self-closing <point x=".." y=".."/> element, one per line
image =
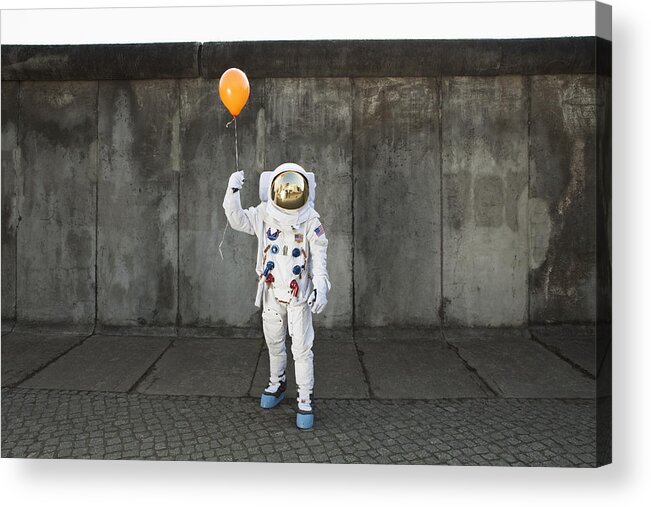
<point x="441" y="309"/>
<point x="178" y="209"/>
<point x="18" y="172"/>
<point x="528" y="260"/>
<point x="97" y="176"/>
<point x="353" y="327"/>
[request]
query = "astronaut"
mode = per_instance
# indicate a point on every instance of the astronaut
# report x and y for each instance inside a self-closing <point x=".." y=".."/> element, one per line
<point x="291" y="266"/>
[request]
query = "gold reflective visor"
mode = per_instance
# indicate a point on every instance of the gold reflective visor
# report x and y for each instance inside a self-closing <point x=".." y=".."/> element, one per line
<point x="289" y="190"/>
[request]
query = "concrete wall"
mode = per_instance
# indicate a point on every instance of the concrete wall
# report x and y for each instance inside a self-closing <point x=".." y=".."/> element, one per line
<point x="10" y="154"/>
<point x="460" y="192"/>
<point x="56" y="205"/>
<point x="485" y="187"/>
<point x="397" y="201"/>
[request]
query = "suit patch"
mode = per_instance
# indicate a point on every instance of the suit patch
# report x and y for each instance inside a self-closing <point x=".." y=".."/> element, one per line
<point x="298" y="238"/>
<point x="273" y="236"/>
<point x="320" y="231"/>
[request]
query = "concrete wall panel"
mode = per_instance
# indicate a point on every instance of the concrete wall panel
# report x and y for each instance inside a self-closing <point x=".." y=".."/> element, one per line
<point x="100" y="61"/>
<point x="57" y="182"/>
<point x="397" y="202"/>
<point x="9" y="212"/>
<point x="563" y="188"/>
<point x="485" y="200"/>
<point x="309" y="121"/>
<point x="403" y="58"/>
<point x="215" y="292"/>
<point x="138" y="197"/>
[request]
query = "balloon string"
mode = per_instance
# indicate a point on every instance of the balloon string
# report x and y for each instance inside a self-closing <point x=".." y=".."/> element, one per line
<point x="237" y="168"/>
<point x="222" y="241"/>
<point x="237" y="156"/>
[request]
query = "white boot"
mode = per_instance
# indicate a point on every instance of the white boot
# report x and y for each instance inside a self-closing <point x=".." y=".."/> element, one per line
<point x="305" y="414"/>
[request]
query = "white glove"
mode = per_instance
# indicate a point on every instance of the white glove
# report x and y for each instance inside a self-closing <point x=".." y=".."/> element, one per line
<point x="318" y="299"/>
<point x="236" y="180"/>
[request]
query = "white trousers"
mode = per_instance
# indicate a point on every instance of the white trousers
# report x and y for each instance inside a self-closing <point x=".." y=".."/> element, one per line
<point x="279" y="318"/>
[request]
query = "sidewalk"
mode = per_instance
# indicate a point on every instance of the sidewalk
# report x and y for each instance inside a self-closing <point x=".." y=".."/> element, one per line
<point x="512" y="391"/>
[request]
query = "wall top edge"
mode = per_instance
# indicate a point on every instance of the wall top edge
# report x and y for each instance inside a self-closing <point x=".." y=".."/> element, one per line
<point x="320" y="58"/>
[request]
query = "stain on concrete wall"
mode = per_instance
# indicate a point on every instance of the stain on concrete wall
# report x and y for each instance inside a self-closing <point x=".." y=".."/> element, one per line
<point x="563" y="172"/>
<point x="309" y="121"/>
<point x="484" y="165"/>
<point x="396" y="202"/>
<point x="138" y="196"/>
<point x="10" y="91"/>
<point x="213" y="292"/>
<point x="56" y="180"/>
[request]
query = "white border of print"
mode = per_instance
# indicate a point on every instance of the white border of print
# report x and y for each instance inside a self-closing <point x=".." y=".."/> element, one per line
<point x="626" y="482"/>
<point x="353" y="20"/>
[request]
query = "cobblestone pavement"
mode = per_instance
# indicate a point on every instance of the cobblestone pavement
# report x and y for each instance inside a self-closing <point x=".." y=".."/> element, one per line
<point x="71" y="424"/>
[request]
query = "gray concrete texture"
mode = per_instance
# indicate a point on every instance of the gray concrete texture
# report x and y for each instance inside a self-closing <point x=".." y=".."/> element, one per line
<point x="212" y="292"/>
<point x="396" y="207"/>
<point x="9" y="210"/>
<point x="101" y="363"/>
<point x="562" y="192"/>
<point x="57" y="175"/>
<point x="576" y="343"/>
<point x="446" y="363"/>
<point x="101" y="61"/>
<point x="314" y="58"/>
<point x="204" y="367"/>
<point x="404" y="58"/>
<point x="485" y="173"/>
<point x="467" y="199"/>
<point x="418" y="369"/>
<point x="515" y="366"/>
<point x="137" y="265"/>
<point x="26" y="352"/>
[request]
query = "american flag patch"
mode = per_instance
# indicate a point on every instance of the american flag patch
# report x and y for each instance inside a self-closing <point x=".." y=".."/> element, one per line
<point x="319" y="231"/>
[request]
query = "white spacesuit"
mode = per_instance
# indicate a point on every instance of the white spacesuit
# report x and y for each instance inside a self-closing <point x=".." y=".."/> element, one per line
<point x="292" y="273"/>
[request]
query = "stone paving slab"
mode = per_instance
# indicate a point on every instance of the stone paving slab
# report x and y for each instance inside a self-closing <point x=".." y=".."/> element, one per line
<point x="337" y="371"/>
<point x="406" y="369"/>
<point x="516" y="366"/>
<point x="101" y="363"/>
<point x="204" y="366"/>
<point x="575" y="343"/>
<point x="490" y="432"/>
<point x="24" y="353"/>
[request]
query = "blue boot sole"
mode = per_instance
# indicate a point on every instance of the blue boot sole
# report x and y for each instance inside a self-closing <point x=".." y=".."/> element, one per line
<point x="304" y="421"/>
<point x="270" y="401"/>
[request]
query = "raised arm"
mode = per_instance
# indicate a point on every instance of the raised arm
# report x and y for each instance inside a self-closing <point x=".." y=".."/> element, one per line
<point x="239" y="219"/>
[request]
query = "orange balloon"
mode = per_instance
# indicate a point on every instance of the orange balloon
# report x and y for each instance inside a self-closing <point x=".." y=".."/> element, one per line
<point x="234" y="90"/>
